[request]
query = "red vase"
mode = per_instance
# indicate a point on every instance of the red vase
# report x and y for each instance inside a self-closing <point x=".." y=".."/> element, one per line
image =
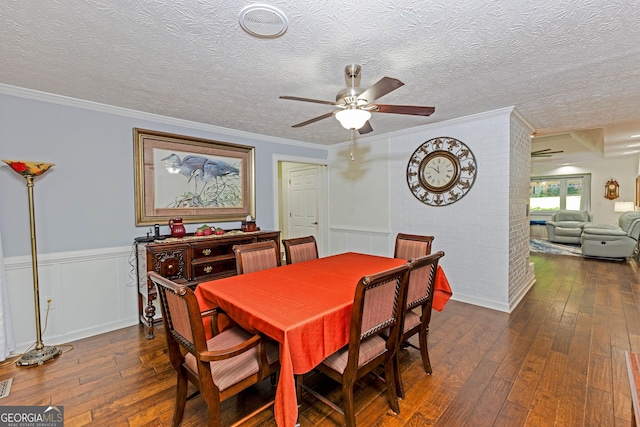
<point x="177" y="229"/>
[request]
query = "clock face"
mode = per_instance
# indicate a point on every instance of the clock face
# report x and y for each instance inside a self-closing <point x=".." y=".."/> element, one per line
<point x="441" y="171"/>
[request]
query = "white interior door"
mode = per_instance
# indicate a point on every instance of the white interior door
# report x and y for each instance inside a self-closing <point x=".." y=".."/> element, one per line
<point x="304" y="192"/>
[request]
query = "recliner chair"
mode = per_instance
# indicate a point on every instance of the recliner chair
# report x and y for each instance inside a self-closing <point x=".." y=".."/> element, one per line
<point x="566" y="226"/>
<point x="610" y="241"/>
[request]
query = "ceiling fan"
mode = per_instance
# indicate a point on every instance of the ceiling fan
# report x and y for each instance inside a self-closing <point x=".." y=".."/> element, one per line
<point x="355" y="104"/>
<point x="545" y="153"/>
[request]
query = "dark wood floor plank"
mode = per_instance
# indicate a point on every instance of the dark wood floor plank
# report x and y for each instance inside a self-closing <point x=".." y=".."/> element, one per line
<point x="466" y="401"/>
<point x="599" y="408"/>
<point x="571" y="405"/>
<point x="600" y="373"/>
<point x="557" y="359"/>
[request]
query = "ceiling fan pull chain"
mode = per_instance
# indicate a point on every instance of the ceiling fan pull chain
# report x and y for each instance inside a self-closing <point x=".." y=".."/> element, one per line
<point x="353" y="142"/>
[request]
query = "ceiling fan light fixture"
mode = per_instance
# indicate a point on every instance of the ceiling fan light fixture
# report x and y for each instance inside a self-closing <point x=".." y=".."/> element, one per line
<point x="353" y="118"/>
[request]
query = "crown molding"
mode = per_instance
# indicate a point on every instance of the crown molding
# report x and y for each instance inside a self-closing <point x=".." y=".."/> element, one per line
<point x="141" y="115"/>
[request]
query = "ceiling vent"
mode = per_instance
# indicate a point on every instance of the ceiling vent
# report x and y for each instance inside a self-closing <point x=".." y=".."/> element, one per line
<point x="263" y="21"/>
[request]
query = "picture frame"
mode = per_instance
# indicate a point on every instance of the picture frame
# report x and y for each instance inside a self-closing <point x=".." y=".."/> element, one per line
<point x="196" y="179"/>
<point x="638" y="190"/>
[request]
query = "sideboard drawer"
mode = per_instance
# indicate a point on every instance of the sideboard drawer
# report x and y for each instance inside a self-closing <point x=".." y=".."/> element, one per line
<point x="212" y="268"/>
<point x="218" y="247"/>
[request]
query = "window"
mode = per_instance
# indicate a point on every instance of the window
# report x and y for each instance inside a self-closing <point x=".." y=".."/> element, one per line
<point x="547" y="194"/>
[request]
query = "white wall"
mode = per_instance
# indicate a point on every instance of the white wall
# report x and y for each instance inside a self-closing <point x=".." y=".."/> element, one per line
<point x="521" y="273"/>
<point x="623" y="170"/>
<point x="475" y="233"/>
<point x="91" y="292"/>
<point x="84" y="206"/>
<point x="359" y="197"/>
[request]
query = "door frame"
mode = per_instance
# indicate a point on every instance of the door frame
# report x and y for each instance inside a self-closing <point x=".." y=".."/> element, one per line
<point x="323" y="199"/>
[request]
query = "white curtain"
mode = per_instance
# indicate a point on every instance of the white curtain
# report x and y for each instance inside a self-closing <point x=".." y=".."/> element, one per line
<point x="585" y="197"/>
<point x="7" y="340"/>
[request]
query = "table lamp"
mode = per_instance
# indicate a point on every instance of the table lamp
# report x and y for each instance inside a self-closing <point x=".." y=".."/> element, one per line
<point x="41" y="353"/>
<point x="623" y="207"/>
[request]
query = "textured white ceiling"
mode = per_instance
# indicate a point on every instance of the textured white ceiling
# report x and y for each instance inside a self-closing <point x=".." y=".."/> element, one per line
<point x="565" y="65"/>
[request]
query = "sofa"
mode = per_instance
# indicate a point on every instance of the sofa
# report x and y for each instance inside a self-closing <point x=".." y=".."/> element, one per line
<point x="566" y="226"/>
<point x="612" y="241"/>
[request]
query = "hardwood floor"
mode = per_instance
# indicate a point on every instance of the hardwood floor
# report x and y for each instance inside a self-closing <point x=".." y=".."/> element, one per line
<point x="558" y="359"/>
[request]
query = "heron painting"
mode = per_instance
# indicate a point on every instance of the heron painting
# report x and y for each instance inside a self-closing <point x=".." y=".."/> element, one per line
<point x="196" y="179"/>
<point x="215" y="182"/>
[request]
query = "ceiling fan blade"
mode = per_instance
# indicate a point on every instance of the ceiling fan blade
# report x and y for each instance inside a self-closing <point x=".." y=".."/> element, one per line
<point x="403" y="109"/>
<point x="315" y="119"/>
<point x="380" y="89"/>
<point x="317" y="101"/>
<point x="365" y="129"/>
<point x="545" y="153"/>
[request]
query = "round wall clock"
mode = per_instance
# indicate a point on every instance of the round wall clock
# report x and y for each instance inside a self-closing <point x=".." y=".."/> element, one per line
<point x="441" y="171"/>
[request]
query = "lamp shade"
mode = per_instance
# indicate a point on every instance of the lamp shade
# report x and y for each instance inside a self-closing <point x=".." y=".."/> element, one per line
<point x="623" y="207"/>
<point x="353" y="118"/>
<point x="28" y="168"/>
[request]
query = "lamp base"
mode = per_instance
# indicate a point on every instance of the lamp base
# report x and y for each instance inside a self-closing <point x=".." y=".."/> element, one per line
<point x="38" y="357"/>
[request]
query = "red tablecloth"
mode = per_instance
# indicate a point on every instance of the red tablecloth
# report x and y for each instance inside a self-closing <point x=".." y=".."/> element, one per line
<point x="306" y="307"/>
<point x="441" y="290"/>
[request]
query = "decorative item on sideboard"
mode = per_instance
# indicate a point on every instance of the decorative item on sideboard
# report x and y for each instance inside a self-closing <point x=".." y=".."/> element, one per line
<point x="249" y="225"/>
<point x="177" y="228"/>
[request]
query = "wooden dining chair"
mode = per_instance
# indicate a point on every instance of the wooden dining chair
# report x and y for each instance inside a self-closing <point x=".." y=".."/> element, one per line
<point x="220" y="367"/>
<point x="378" y="305"/>
<point x="256" y="256"/>
<point x="412" y="246"/>
<point x="420" y="290"/>
<point x="300" y="249"/>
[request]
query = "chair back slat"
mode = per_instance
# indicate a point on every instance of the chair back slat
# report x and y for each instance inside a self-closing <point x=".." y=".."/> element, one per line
<point x="179" y="316"/>
<point x="421" y="280"/>
<point x="256" y="256"/>
<point x="304" y="252"/>
<point x="376" y="301"/>
<point x="258" y="260"/>
<point x="300" y="249"/>
<point x="379" y="307"/>
<point x="412" y="246"/>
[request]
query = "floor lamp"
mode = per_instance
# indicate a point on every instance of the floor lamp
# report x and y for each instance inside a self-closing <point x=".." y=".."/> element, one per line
<point x="41" y="353"/>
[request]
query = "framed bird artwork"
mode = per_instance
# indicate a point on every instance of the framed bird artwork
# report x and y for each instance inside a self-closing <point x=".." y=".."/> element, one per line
<point x="196" y="179"/>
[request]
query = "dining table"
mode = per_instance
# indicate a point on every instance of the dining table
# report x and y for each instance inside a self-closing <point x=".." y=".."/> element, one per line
<point x="305" y="307"/>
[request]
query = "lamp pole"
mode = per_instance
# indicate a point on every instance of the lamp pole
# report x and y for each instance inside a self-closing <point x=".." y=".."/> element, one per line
<point x="41" y="353"/>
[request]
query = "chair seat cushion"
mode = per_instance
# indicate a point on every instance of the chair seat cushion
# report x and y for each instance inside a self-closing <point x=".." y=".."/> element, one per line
<point x="411" y="320"/>
<point x="604" y="232"/>
<point x="226" y="373"/>
<point x="570" y="224"/>
<point x="370" y="348"/>
<point x="564" y="231"/>
<point x="601" y="226"/>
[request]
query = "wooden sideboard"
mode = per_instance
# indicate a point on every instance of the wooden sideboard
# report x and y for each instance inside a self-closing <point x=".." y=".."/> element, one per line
<point x="189" y="260"/>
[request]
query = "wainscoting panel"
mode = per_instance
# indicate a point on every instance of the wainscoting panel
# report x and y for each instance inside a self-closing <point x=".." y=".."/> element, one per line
<point x="352" y="239"/>
<point x="91" y="292"/>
